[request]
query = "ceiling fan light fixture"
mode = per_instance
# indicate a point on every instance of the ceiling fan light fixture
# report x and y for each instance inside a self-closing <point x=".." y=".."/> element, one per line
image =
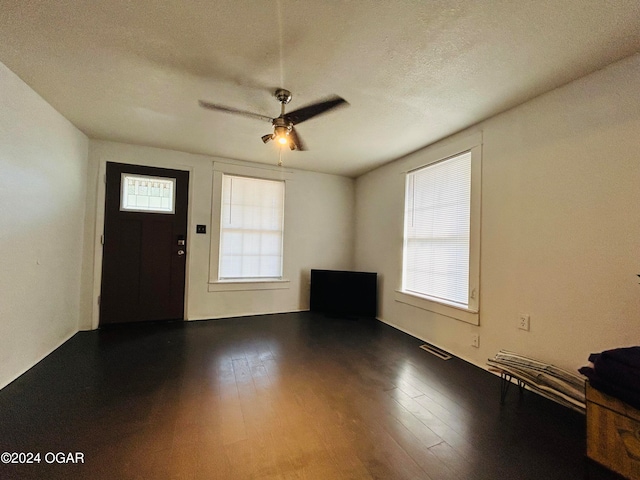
<point x="281" y="135"/>
<point x="267" y="138"/>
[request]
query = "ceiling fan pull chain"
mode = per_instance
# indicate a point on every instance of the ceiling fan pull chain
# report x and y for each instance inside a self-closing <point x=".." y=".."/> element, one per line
<point x="279" y="157"/>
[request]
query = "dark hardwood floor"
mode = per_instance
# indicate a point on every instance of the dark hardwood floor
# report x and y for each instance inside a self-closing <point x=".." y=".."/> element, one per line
<point x="290" y="396"/>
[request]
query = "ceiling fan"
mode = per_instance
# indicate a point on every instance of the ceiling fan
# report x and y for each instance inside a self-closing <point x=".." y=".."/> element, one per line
<point x="284" y="132"/>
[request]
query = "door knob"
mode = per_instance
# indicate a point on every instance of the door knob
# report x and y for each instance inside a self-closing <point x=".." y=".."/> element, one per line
<point x="180" y="252"/>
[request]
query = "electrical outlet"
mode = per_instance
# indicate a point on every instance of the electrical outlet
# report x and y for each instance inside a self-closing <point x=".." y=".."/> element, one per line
<point x="523" y="322"/>
<point x="475" y="341"/>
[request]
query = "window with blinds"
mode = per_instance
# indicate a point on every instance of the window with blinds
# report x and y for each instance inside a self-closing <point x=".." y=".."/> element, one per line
<point x="437" y="231"/>
<point x="251" y="228"/>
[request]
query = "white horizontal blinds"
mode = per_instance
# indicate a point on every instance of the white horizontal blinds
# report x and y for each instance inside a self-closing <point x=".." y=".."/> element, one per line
<point x="437" y="220"/>
<point x="252" y="223"/>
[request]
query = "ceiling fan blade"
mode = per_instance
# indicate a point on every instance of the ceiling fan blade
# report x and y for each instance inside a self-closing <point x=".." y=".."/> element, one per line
<point x="296" y="142"/>
<point x="222" y="108"/>
<point x="310" y="111"/>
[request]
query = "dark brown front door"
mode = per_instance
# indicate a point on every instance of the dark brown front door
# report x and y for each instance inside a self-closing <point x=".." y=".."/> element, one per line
<point x="144" y="255"/>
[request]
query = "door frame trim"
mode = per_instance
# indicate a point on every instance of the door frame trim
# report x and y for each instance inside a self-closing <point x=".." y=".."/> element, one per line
<point x="99" y="232"/>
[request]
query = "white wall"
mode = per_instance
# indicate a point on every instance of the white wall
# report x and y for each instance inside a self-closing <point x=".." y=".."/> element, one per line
<point x="43" y="166"/>
<point x="560" y="226"/>
<point x="319" y="232"/>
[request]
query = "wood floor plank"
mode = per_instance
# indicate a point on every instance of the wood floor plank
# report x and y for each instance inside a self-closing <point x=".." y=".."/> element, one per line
<point x="287" y="397"/>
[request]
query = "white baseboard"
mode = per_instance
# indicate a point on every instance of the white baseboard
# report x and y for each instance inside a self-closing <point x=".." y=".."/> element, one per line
<point x="455" y="354"/>
<point x="39" y="359"/>
<point x="239" y="315"/>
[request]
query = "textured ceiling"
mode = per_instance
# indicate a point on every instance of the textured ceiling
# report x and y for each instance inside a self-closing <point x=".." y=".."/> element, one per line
<point x="413" y="71"/>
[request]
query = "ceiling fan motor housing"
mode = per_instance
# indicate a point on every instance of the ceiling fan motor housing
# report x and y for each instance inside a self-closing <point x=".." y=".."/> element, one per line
<point x="281" y="123"/>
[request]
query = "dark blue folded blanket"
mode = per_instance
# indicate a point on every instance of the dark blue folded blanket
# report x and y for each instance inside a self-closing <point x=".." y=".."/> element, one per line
<point x="616" y="372"/>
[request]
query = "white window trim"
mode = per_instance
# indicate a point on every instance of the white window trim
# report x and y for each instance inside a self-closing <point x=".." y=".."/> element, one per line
<point x="248" y="284"/>
<point x="472" y="143"/>
<point x="266" y="173"/>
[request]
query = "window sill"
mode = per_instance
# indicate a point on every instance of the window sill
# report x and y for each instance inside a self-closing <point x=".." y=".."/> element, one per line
<point x="248" y="285"/>
<point x="458" y="313"/>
